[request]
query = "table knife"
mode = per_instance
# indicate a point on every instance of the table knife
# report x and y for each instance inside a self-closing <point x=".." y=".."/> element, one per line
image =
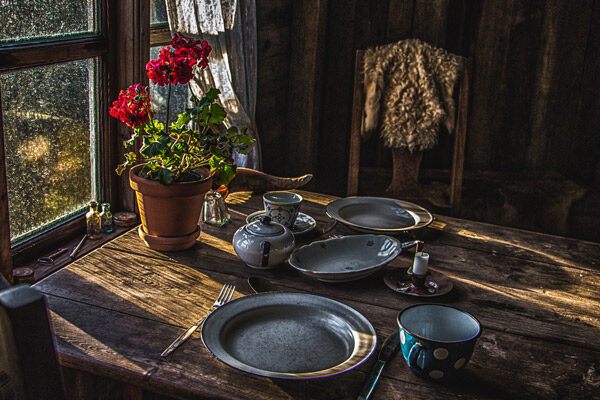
<point x="388" y="351"/>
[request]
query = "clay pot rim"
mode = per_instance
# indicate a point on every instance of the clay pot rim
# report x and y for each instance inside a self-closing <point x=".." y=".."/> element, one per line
<point x="155" y="188"/>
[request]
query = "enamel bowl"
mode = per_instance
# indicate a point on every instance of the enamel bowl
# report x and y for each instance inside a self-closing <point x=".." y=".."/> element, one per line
<point x="346" y="258"/>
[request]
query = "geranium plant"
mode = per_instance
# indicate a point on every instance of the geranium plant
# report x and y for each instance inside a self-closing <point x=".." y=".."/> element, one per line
<point x="171" y="151"/>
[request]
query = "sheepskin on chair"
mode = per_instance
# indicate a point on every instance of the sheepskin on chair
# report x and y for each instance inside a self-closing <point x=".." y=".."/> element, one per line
<point x="412" y="82"/>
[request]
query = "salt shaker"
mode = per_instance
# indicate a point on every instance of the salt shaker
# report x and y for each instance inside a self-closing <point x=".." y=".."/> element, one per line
<point x="92" y="220"/>
<point x="215" y="210"/>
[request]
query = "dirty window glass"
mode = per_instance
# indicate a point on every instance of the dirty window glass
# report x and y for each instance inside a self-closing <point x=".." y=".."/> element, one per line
<point x="49" y="120"/>
<point x="158" y="12"/>
<point x="23" y="20"/>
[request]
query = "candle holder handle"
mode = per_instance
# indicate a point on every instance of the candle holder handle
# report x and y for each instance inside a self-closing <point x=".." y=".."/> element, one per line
<point x="414" y="243"/>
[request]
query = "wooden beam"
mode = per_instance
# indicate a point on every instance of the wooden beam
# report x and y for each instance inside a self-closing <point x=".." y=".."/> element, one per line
<point x="306" y="67"/>
<point x="131" y="52"/>
<point x="5" y="253"/>
<point x="460" y="139"/>
<point x="33" y="55"/>
<point x="357" y="110"/>
<point x="160" y="35"/>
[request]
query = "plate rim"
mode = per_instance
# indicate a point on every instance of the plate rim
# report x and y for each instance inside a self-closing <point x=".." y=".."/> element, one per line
<point x="372" y="268"/>
<point x="334" y="370"/>
<point x="334" y="214"/>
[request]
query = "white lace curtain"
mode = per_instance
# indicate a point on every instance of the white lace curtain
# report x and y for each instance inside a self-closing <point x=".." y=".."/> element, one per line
<point x="229" y="26"/>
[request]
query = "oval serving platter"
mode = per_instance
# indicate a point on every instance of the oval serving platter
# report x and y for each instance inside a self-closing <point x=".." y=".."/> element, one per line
<point x="379" y="214"/>
<point x="345" y="258"/>
<point x="289" y="335"/>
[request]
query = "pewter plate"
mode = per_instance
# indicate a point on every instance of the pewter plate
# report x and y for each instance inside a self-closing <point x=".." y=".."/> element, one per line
<point x="289" y="335"/>
<point x="346" y="258"/>
<point x="379" y="214"/>
<point x="304" y="223"/>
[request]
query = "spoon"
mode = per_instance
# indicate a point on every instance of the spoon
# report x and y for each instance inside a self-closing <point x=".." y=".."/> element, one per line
<point x="261" y="285"/>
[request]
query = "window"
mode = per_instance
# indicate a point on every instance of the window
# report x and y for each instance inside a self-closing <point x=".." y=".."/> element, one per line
<point x="23" y="21"/>
<point x="49" y="116"/>
<point x="158" y="12"/>
<point x="50" y="110"/>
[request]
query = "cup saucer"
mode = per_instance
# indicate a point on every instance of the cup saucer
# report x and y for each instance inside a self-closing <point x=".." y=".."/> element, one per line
<point x="304" y="222"/>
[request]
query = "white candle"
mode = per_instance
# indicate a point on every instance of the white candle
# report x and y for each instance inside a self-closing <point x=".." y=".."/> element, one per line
<point x="420" y="263"/>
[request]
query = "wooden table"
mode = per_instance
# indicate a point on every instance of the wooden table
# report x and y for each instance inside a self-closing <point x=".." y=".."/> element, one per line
<point x="537" y="297"/>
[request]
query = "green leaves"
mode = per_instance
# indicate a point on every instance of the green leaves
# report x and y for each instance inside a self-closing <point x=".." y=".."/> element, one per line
<point x="184" y="119"/>
<point x="154" y="127"/>
<point x="222" y="171"/>
<point x="241" y="142"/>
<point x="155" y="146"/>
<point x="216" y="114"/>
<point x="212" y="94"/>
<point x="198" y="138"/>
<point x="208" y="113"/>
<point x="155" y="171"/>
<point x="130" y="159"/>
<point x="164" y="176"/>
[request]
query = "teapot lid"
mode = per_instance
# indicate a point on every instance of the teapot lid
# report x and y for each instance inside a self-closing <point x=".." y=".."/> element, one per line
<point x="264" y="227"/>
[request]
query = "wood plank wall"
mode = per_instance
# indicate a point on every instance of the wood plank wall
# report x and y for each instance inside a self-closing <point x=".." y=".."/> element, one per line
<point x="535" y="83"/>
<point x="274" y="19"/>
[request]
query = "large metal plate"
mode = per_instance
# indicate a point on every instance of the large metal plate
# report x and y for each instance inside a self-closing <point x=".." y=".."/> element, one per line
<point x="379" y="214"/>
<point x="345" y="258"/>
<point x="289" y="335"/>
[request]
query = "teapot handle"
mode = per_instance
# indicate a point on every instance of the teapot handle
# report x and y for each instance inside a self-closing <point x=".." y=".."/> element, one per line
<point x="266" y="247"/>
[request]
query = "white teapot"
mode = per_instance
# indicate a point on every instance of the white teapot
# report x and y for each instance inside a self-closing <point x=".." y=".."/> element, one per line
<point x="263" y="244"/>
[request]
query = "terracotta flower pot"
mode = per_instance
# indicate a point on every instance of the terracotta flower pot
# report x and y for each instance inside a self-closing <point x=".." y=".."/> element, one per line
<point x="169" y="213"/>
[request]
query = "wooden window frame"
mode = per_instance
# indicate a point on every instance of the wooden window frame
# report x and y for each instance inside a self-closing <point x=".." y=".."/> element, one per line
<point x="122" y="48"/>
<point x="160" y="34"/>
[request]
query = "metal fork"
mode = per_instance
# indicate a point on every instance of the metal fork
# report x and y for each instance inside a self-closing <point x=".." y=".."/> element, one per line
<point x="224" y="297"/>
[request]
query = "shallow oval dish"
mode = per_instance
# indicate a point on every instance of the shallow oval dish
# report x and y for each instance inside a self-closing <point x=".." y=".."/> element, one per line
<point x="346" y="258"/>
<point x="379" y="214"/>
<point x="289" y="335"/>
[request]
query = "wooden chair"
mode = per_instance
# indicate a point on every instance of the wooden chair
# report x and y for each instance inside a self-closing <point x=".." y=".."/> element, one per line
<point x="460" y="133"/>
<point x="28" y="364"/>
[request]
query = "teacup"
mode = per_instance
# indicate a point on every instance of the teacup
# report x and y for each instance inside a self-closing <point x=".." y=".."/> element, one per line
<point x="437" y="340"/>
<point x="282" y="207"/>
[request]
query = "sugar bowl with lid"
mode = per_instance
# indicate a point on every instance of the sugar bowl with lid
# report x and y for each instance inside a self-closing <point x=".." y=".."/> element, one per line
<point x="263" y="244"/>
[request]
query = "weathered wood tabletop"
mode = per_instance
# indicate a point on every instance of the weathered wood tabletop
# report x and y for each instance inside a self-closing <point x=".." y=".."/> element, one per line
<point x="537" y="297"/>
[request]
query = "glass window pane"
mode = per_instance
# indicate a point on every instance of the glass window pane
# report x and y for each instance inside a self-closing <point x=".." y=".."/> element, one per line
<point x="180" y="96"/>
<point x="158" y="11"/>
<point x="49" y="130"/>
<point x="42" y="19"/>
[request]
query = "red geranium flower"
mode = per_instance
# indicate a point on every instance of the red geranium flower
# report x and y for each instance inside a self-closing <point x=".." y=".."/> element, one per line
<point x="133" y="106"/>
<point x="196" y="51"/>
<point x="169" y="67"/>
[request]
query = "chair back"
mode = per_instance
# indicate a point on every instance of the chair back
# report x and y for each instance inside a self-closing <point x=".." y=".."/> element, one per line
<point x="460" y="133"/>
<point x="28" y="364"/>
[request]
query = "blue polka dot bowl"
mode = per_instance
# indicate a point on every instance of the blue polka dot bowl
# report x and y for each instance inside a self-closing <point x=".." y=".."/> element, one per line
<point x="437" y="340"/>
